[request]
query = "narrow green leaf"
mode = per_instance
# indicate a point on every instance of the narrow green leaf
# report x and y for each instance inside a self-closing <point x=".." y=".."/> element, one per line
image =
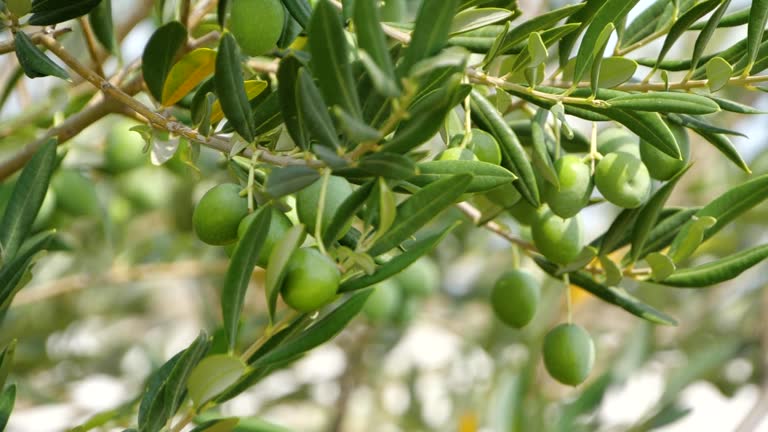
<point x="239" y="272"/>
<point x="6" y="361"/>
<point x="314" y="113"/>
<point x="26" y="199"/>
<point x="600" y="44"/>
<point x="330" y="59"/>
<point x="353" y="128"/>
<point x="287" y="180"/>
<point x="733" y="19"/>
<point x="12" y="271"/>
<point x="427" y="116"/>
<point x="719" y="72"/>
<point x="758" y="14"/>
<point x="382" y="82"/>
<point x="675" y="102"/>
<point x="540" y="22"/>
<point x="695" y="122"/>
<point x="300" y="10"/>
<point x="723" y="144"/>
<point x="50" y="12"/>
<point x="549" y="37"/>
<point x="218" y="425"/>
<point x="159" y="55"/>
<point x="267" y="115"/>
<point x="647" y="22"/>
<point x="706" y="34"/>
<point x="717" y="271"/>
<point x="681" y="25"/>
<point x="317" y="334"/>
<point x="617" y="234"/>
<point x="230" y="88"/>
<point x="387" y="208"/>
<point x="7" y="401"/>
<point x="370" y="37"/>
<point x="103" y="26"/>
<point x="612" y="295"/>
<point x="649" y="214"/>
<point x="346" y="212"/>
<point x="612" y="11"/>
<point x="33" y="61"/>
<point x="212" y="376"/>
<point x="176" y="384"/>
<point x="485" y="176"/>
<point x="387" y="165"/>
<point x="612" y="270"/>
<point x="399" y="263"/>
<point x="433" y="24"/>
<point x="473" y="19"/>
<point x="664" y="232"/>
<point x="278" y="260"/>
<point x="690" y="237"/>
<point x="736" y="107"/>
<point x="420" y="208"/>
<point x="287" y="73"/>
<point x="514" y="155"/>
<point x="542" y="161"/>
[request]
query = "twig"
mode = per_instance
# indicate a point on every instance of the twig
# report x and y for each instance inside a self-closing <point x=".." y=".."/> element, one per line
<point x="8" y="47"/>
<point x="90" y="43"/>
<point x="475" y="215"/>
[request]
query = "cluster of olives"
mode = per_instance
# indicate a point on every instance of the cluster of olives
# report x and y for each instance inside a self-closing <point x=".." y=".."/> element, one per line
<point x="568" y="350"/>
<point x="623" y="177"/>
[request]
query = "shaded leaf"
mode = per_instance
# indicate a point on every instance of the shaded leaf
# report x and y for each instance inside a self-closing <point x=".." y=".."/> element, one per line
<point x="33" y="61"/>
<point x="433" y="24"/>
<point x="485" y="176"/>
<point x="159" y="55"/>
<point x="230" y="88"/>
<point x="287" y="180"/>
<point x="50" y="12"/>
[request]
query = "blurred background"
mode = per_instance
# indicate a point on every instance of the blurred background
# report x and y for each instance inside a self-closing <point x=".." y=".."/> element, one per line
<point x="136" y="286"/>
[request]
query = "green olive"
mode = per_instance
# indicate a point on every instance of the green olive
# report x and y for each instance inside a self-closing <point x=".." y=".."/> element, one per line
<point x="308" y="199"/>
<point x="575" y="189"/>
<point x="311" y="280"/>
<point x="662" y="166"/>
<point x="278" y="226"/>
<point x="524" y="212"/>
<point x="218" y="214"/>
<point x="124" y="148"/>
<point x="257" y="24"/>
<point x="75" y="193"/>
<point x="569" y="354"/>
<point x="384" y="303"/>
<point x="616" y="139"/>
<point x="485" y="147"/>
<point x="623" y="180"/>
<point x="515" y="297"/>
<point x="560" y="240"/>
<point x="420" y="278"/>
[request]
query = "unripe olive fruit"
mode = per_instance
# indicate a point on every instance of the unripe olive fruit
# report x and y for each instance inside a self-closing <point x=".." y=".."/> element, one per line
<point x="660" y="165"/>
<point x="124" y="148"/>
<point x="278" y="226"/>
<point x="384" y="303"/>
<point x="456" y="153"/>
<point x="257" y="24"/>
<point x="218" y="214"/>
<point x="623" y="179"/>
<point x="75" y="193"/>
<point x="575" y="189"/>
<point x="485" y="147"/>
<point x="311" y="280"/>
<point x="420" y="278"/>
<point x="307" y="201"/>
<point x="524" y="212"/>
<point x="569" y="354"/>
<point x="560" y="240"/>
<point x="515" y="297"/>
<point x="140" y="187"/>
<point x="616" y="139"/>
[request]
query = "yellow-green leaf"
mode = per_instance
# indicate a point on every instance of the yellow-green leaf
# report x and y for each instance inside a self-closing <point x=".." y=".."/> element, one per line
<point x="212" y="376"/>
<point x="719" y="72"/>
<point x="187" y="74"/>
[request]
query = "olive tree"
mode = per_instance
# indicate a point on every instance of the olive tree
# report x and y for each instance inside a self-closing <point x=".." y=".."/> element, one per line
<point x="353" y="138"/>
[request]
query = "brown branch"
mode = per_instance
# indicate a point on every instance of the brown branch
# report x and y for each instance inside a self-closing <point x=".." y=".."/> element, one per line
<point x="8" y="47"/>
<point x="90" y="43"/>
